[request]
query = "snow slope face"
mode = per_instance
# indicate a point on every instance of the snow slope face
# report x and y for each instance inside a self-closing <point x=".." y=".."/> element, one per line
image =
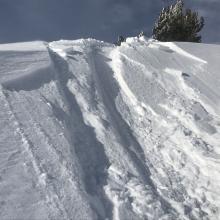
<point x="94" y="131"/>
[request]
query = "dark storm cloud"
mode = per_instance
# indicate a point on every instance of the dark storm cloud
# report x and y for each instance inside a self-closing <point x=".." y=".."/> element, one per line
<point x="23" y="20"/>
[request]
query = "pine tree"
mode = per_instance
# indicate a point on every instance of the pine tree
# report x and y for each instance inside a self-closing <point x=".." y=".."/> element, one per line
<point x="176" y="24"/>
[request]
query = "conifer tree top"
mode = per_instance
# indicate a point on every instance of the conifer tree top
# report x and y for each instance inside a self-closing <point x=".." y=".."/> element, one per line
<point x="178" y="24"/>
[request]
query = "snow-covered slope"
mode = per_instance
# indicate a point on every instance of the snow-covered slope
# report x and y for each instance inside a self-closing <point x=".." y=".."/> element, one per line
<point x="93" y="131"/>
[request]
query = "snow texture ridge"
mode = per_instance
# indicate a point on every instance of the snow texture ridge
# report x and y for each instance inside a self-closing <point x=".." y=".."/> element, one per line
<point x="94" y="131"/>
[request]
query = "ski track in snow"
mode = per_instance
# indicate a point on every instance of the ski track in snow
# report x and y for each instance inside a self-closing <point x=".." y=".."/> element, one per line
<point x="94" y="131"/>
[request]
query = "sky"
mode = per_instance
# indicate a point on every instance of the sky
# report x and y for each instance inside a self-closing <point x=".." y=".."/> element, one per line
<point x="28" y="20"/>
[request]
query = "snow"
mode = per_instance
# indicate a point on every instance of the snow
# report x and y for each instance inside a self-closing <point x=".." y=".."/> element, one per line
<point x="89" y="130"/>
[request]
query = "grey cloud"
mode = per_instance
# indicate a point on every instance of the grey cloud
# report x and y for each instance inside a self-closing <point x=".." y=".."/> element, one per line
<point x="24" y="20"/>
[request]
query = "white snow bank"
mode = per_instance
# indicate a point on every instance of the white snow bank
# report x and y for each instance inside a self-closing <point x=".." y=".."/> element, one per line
<point x="25" y="66"/>
<point x="89" y="130"/>
<point x="25" y="46"/>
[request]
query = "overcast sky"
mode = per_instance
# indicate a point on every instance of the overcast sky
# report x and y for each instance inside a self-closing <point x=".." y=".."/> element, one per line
<point x="26" y="20"/>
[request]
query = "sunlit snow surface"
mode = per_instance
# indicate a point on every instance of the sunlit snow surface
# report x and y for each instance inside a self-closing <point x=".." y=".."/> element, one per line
<point x="93" y="131"/>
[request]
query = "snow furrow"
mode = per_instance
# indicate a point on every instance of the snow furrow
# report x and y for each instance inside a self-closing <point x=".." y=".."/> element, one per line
<point x="88" y="149"/>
